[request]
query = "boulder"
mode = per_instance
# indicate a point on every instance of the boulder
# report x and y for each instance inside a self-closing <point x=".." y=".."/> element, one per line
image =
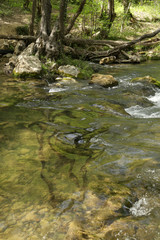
<point x="69" y="71"/>
<point x="29" y="50"/>
<point x="19" y="47"/>
<point x="27" y="66"/>
<point x="67" y="81"/>
<point x="103" y="80"/>
<point x="64" y="81"/>
<point x="8" y="68"/>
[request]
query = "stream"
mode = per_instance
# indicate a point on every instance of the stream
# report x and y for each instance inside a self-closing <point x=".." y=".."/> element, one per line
<point x="80" y="162"/>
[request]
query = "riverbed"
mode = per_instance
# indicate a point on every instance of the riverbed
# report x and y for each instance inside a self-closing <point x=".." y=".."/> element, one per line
<point x="81" y="161"/>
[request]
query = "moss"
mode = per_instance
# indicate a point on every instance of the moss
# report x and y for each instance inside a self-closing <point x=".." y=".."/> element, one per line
<point x="27" y="75"/>
<point x="148" y="79"/>
<point x="86" y="70"/>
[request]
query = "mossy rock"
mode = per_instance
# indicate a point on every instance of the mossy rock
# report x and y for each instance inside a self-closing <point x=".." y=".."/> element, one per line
<point x="69" y="71"/>
<point x="153" y="55"/>
<point x="103" y="80"/>
<point x="27" y="66"/>
<point x="148" y="79"/>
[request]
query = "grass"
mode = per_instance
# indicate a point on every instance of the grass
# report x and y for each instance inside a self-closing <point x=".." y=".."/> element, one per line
<point x="10" y="7"/>
<point x="146" y="19"/>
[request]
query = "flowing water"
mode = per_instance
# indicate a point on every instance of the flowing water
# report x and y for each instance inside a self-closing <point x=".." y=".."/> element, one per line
<point x="80" y="162"/>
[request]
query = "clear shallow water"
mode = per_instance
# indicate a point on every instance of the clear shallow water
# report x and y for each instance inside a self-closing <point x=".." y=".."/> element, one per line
<point x="76" y="163"/>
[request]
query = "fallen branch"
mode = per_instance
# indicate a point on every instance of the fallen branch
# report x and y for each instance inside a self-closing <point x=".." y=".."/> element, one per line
<point x="20" y="37"/>
<point x="82" y="42"/>
<point x="115" y="51"/>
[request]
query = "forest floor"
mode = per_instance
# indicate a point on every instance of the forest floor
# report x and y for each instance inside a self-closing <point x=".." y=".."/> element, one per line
<point x="144" y="22"/>
<point x="8" y="24"/>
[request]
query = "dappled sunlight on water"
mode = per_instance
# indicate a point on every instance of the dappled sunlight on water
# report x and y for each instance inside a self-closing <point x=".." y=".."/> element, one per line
<point x="75" y="165"/>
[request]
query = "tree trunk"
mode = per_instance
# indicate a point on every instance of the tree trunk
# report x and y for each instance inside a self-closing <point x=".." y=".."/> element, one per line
<point x="62" y="18"/>
<point x="111" y="12"/>
<point x="108" y="19"/>
<point x="39" y="8"/>
<point x="74" y="18"/>
<point x="45" y="26"/>
<point x="126" y="6"/>
<point x="103" y="9"/>
<point x="26" y="4"/>
<point x="33" y="17"/>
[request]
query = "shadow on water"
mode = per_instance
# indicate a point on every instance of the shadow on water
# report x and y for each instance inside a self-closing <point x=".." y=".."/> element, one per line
<point x="75" y="164"/>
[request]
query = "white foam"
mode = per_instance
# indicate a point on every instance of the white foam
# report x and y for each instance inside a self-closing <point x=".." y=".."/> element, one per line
<point x="140" y="112"/>
<point x="54" y="90"/>
<point x="141" y="208"/>
<point x="155" y="99"/>
<point x="148" y="112"/>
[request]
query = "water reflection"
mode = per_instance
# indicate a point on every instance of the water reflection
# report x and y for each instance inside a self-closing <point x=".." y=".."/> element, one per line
<point x="75" y="165"/>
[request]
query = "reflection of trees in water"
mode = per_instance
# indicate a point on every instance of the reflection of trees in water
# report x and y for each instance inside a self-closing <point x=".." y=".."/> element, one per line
<point x="62" y="151"/>
<point x="77" y="154"/>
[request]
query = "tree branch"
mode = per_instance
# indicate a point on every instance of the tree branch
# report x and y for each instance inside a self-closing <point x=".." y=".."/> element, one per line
<point x="74" y="18"/>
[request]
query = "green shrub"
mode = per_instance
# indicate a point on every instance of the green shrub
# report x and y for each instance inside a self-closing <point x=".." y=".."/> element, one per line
<point x="85" y="69"/>
<point x="22" y="30"/>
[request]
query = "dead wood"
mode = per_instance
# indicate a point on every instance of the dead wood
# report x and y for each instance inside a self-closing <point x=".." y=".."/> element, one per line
<point x="115" y="51"/>
<point x="116" y="46"/>
<point x="82" y="42"/>
<point x="20" y="37"/>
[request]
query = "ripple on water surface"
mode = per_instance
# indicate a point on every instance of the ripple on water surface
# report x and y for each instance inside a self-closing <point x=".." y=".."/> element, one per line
<point x="74" y="165"/>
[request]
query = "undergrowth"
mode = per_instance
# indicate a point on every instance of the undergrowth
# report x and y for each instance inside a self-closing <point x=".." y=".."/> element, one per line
<point x="84" y="66"/>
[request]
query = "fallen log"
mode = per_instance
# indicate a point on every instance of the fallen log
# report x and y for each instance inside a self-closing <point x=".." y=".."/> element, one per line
<point x="82" y="42"/>
<point x="115" y="51"/>
<point x="149" y="42"/>
<point x="67" y="41"/>
<point x="19" y="37"/>
<point x="118" y="46"/>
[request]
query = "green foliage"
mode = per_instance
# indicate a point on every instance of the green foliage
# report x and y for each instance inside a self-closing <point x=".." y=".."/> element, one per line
<point x="44" y="69"/>
<point x="8" y="7"/>
<point x="22" y="30"/>
<point x="85" y="68"/>
<point x="5" y="10"/>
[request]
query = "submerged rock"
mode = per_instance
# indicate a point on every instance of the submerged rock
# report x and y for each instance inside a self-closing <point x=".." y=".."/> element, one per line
<point x="69" y="71"/>
<point x="103" y="80"/>
<point x="75" y="231"/>
<point x="148" y="79"/>
<point x="67" y="81"/>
